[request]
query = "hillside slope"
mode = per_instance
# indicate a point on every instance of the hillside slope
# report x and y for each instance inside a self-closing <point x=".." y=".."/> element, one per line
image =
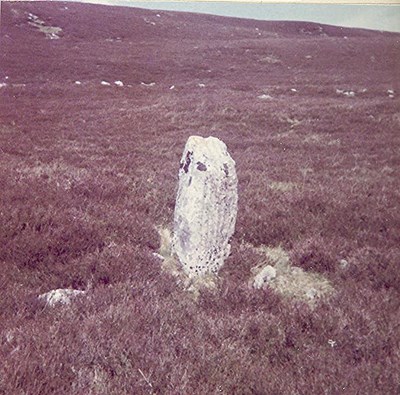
<point x="88" y="174"/>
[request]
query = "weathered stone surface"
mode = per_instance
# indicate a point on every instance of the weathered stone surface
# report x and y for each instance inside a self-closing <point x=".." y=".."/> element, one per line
<point x="60" y="296"/>
<point x="343" y="263"/>
<point x="265" y="275"/>
<point x="206" y="206"/>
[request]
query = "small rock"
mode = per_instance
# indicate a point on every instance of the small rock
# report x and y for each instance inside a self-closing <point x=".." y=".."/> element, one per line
<point x="332" y="343"/>
<point x="293" y="90"/>
<point x="78" y="82"/>
<point x="343" y="263"/>
<point x="345" y="92"/>
<point x="62" y="296"/>
<point x="311" y="293"/>
<point x="105" y="83"/>
<point x="172" y="87"/>
<point x="119" y="83"/>
<point x="266" y="274"/>
<point x="265" y="97"/>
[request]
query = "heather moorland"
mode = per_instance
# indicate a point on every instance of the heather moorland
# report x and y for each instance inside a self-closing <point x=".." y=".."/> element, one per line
<point x="96" y="105"/>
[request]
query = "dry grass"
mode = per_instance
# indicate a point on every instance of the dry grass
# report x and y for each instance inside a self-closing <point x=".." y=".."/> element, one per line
<point x="282" y="186"/>
<point x="291" y="282"/>
<point x="298" y="284"/>
<point x="165" y="249"/>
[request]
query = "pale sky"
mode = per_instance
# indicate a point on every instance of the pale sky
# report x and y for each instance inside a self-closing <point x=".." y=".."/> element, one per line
<point x="378" y="17"/>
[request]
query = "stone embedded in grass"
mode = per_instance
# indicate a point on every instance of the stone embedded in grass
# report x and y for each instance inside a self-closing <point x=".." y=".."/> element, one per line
<point x="265" y="97"/>
<point x="311" y="293"/>
<point x="344" y="92"/>
<point x="266" y="274"/>
<point x="61" y="296"/>
<point x="50" y="32"/>
<point x="206" y="206"/>
<point x="390" y="92"/>
<point x="343" y="263"/>
<point x="147" y="84"/>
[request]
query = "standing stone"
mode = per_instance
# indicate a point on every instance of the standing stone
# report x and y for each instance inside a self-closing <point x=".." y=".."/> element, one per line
<point x="206" y="206"/>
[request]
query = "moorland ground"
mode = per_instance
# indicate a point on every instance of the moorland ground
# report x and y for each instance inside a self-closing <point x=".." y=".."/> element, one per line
<point x="309" y="112"/>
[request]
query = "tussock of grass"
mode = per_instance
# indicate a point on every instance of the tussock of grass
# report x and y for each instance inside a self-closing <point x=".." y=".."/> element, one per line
<point x="276" y="255"/>
<point x="282" y="186"/>
<point x="291" y="282"/>
<point x="165" y="249"/>
<point x="299" y="284"/>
